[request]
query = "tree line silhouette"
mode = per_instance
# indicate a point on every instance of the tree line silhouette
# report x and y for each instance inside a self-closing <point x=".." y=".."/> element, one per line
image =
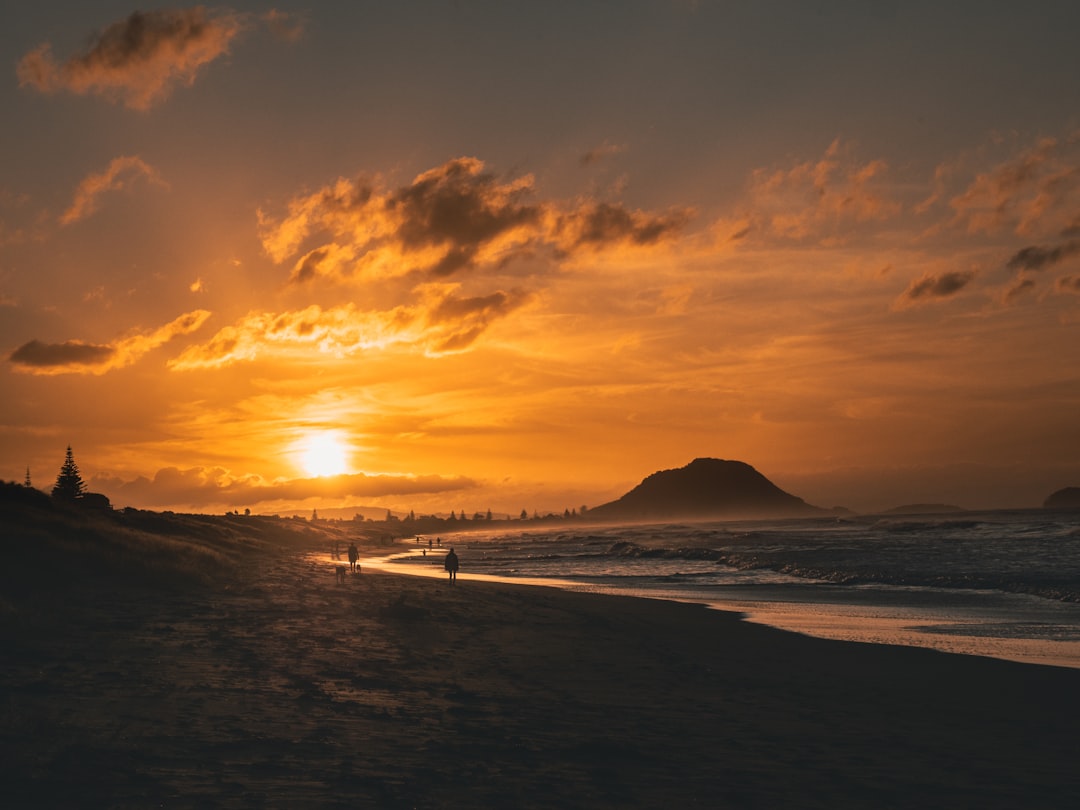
<point x="70" y="488"/>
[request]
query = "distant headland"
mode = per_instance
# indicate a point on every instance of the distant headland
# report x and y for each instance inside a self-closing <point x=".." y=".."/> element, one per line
<point x="705" y="488"/>
<point x="1068" y="498"/>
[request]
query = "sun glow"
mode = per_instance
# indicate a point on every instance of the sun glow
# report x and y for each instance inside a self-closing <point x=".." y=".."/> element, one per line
<point x="324" y="453"/>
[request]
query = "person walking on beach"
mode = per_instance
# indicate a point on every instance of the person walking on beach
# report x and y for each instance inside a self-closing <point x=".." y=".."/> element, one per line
<point x="354" y="555"/>
<point x="451" y="565"/>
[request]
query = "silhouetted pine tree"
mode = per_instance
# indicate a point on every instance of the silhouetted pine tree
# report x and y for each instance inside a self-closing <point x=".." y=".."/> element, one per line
<point x="69" y="484"/>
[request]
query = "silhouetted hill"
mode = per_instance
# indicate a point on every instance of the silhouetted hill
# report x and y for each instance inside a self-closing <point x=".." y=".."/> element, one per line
<point x="48" y="544"/>
<point x="705" y="488"/>
<point x="1067" y="498"/>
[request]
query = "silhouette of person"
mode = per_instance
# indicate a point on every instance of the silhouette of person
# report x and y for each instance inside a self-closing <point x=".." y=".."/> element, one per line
<point x="451" y="564"/>
<point x="354" y="555"/>
<point x="429" y="542"/>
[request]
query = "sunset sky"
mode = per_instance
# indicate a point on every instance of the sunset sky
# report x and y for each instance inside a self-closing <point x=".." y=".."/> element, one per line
<point x="494" y="255"/>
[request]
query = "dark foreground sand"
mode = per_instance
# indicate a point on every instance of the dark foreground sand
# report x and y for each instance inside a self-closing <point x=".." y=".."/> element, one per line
<point x="290" y="690"/>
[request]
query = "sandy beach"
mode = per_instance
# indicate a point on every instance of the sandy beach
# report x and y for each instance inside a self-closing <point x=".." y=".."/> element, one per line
<point x="284" y="688"/>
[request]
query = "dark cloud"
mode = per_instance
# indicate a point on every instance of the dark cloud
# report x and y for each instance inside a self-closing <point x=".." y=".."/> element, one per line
<point x="1022" y="286"/>
<point x="1037" y="257"/>
<point x="466" y="319"/>
<point x="936" y="286"/>
<point x="460" y="205"/>
<point x="455" y="308"/>
<point x="79" y="357"/>
<point x="1068" y="284"/>
<point x="606" y="223"/>
<point x="453" y="219"/>
<point x="308" y="267"/>
<point x="36" y="354"/>
<point x="138" y="59"/>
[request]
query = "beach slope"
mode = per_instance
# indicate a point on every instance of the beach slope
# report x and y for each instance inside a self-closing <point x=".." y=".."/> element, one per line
<point x="281" y="687"/>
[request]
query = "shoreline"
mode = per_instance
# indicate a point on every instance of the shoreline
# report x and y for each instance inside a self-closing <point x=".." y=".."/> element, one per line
<point x="286" y="689"/>
<point x="861" y="616"/>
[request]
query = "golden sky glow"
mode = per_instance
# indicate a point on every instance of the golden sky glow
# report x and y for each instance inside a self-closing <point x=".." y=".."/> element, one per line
<point x="475" y="256"/>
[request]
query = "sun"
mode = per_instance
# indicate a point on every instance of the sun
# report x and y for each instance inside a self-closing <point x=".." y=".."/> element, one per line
<point x="324" y="453"/>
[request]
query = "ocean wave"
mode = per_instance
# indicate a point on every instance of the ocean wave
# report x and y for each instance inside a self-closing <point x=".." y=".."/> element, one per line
<point x="1028" y="552"/>
<point x="925" y="526"/>
<point x="627" y="549"/>
<point x="1058" y="590"/>
<point x="1046" y="586"/>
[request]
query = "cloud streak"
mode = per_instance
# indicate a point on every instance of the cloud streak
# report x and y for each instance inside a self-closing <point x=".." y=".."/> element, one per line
<point x="217" y="485"/>
<point x="79" y="357"/>
<point x="602" y="152"/>
<point x="138" y="60"/>
<point x="121" y="174"/>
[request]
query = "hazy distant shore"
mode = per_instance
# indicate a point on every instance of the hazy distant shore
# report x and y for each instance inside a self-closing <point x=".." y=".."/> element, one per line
<point x="275" y="686"/>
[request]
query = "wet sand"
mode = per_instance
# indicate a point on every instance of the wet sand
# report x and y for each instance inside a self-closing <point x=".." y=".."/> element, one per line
<point x="287" y="689"/>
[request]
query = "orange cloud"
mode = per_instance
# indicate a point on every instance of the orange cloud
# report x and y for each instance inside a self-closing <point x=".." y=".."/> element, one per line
<point x="820" y="200"/>
<point x="1035" y="193"/>
<point x="121" y="173"/>
<point x="78" y="357"/>
<point x="217" y="485"/>
<point x="452" y="219"/>
<point x="443" y="322"/>
<point x="137" y="60"/>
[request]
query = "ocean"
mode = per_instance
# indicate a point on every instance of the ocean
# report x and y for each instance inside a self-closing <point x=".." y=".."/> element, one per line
<point x="1004" y="584"/>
